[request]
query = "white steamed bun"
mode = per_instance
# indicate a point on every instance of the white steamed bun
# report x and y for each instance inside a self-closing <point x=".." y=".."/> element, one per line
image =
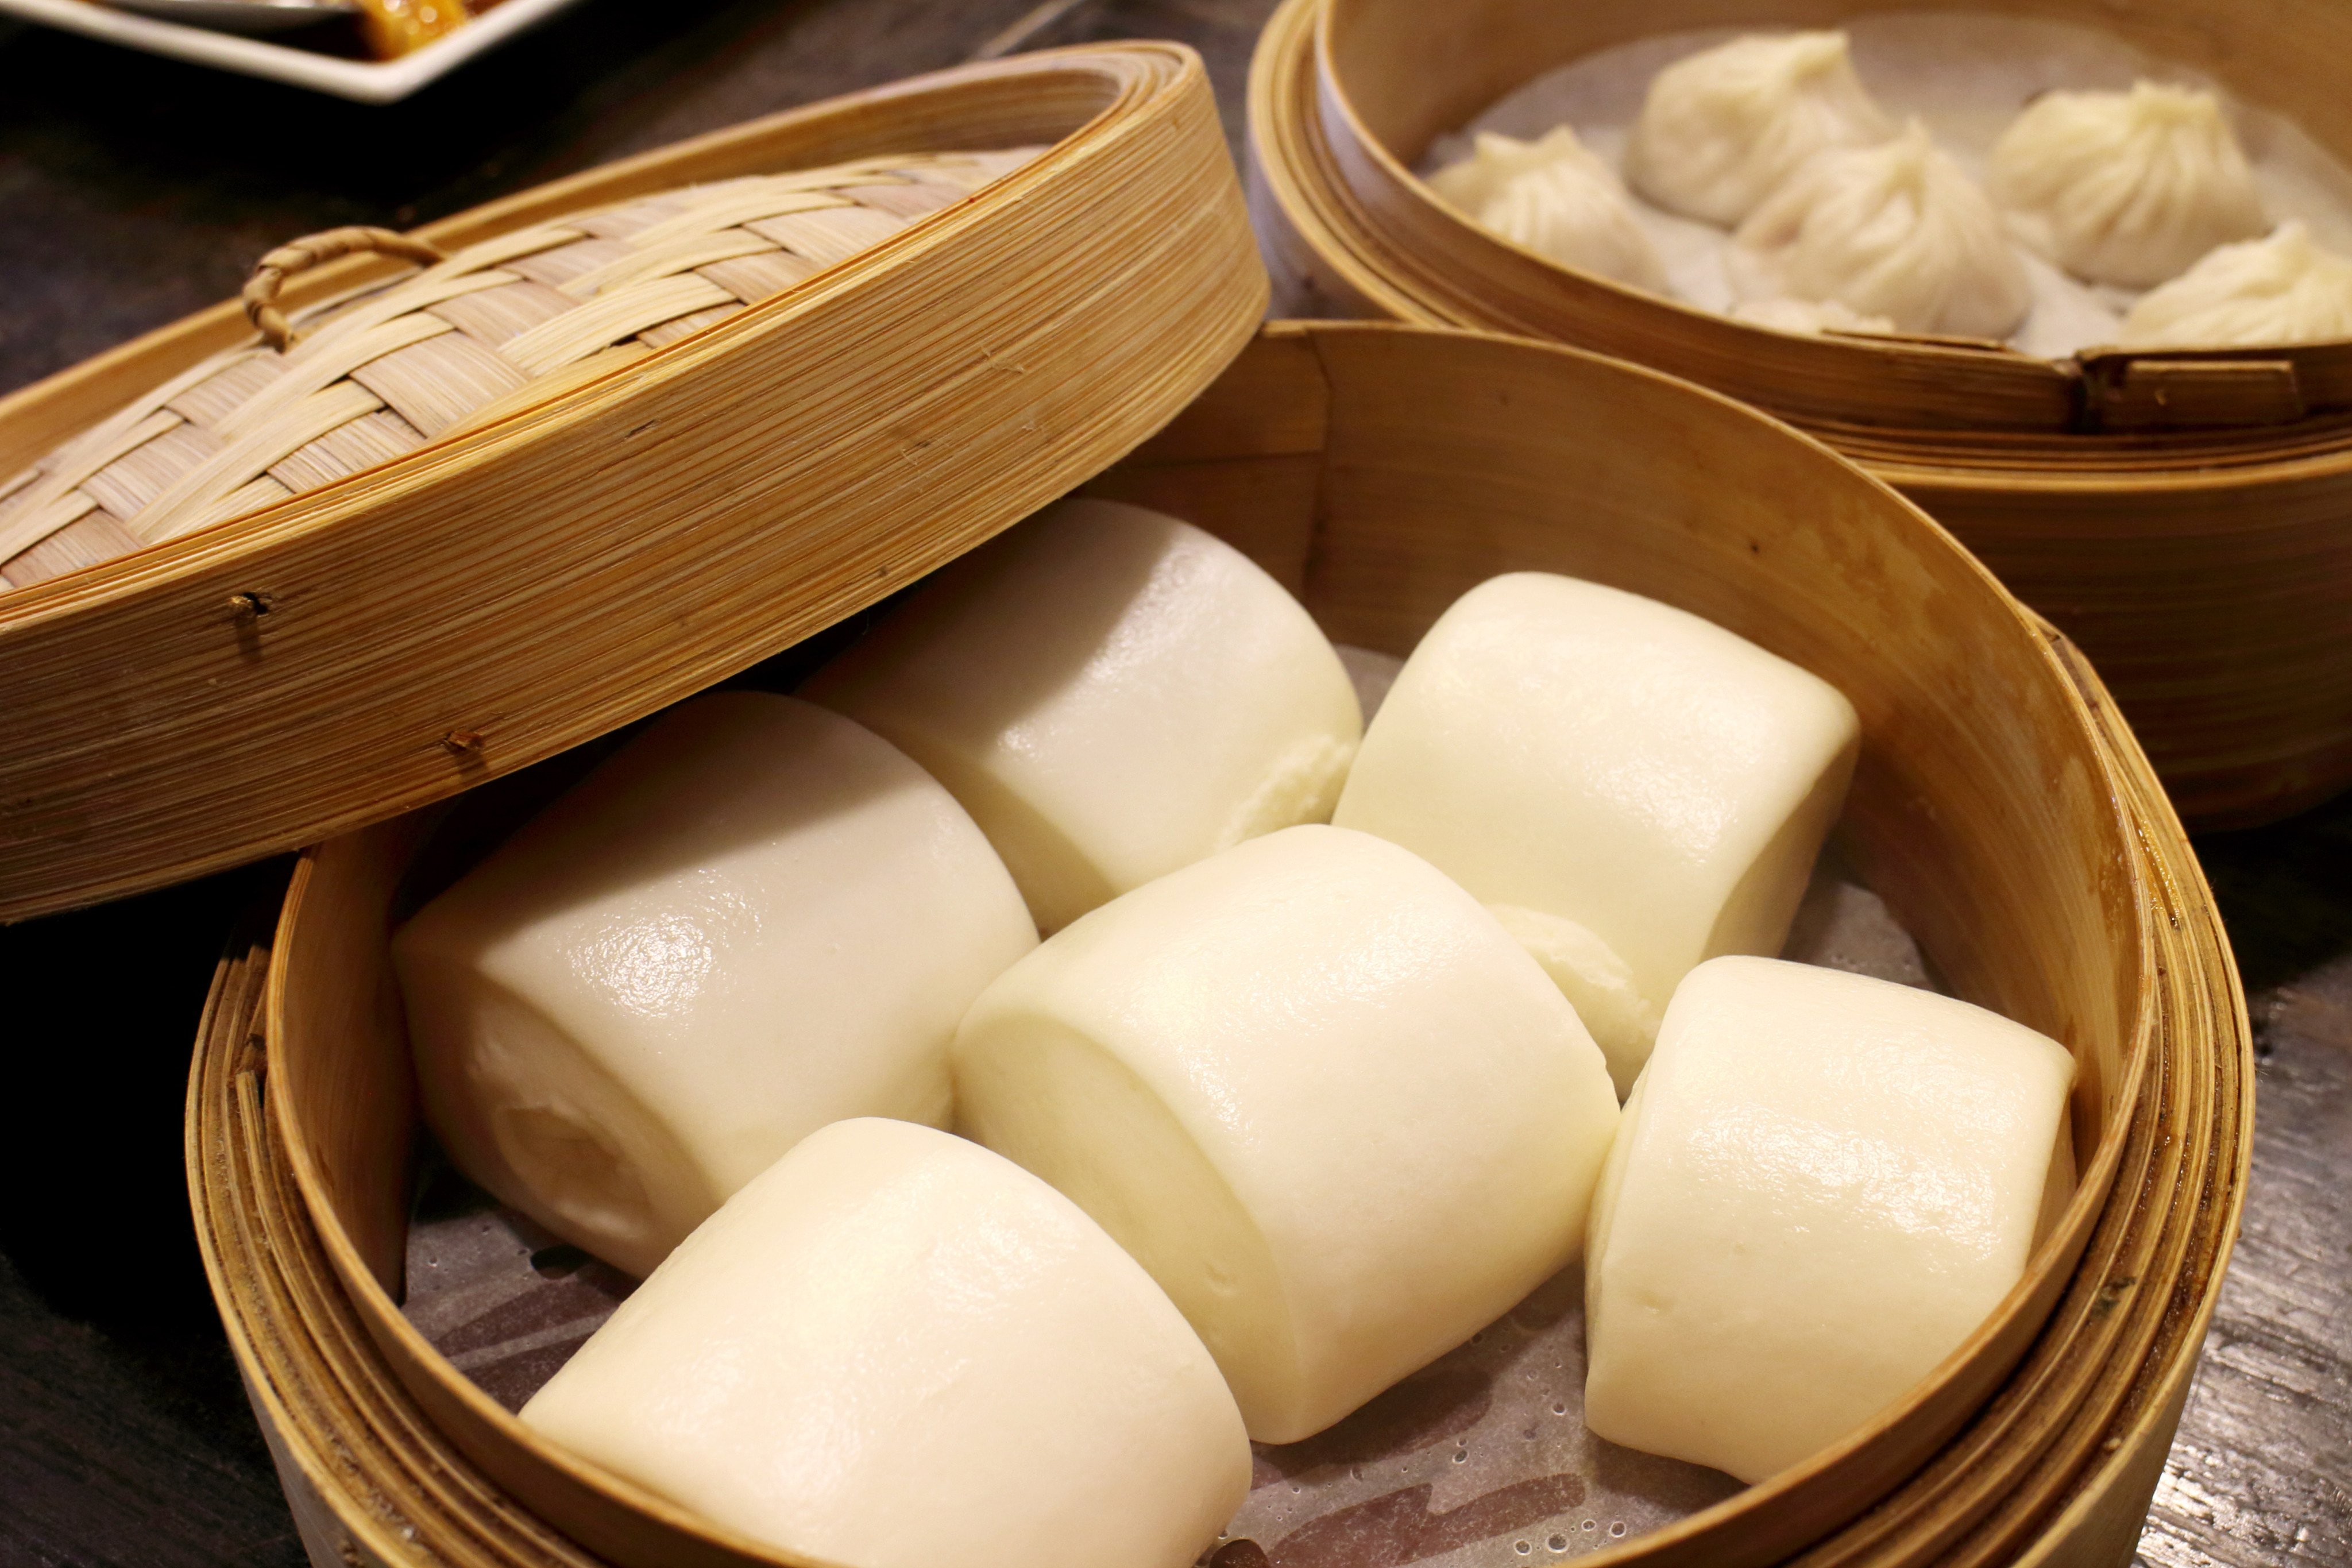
<point x="1112" y="694"/>
<point x="1321" y="1096"/>
<point x="891" y="1339"/>
<point x="1824" y="1183"/>
<point x="754" y="919"/>
<point x="1629" y="787"/>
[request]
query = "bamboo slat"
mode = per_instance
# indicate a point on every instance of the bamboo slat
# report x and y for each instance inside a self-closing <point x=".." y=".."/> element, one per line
<point x="2002" y="808"/>
<point x="406" y="351"/>
<point x="2185" y="517"/>
<point x="587" y="463"/>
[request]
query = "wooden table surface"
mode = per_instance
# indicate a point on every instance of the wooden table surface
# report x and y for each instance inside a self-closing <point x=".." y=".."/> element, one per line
<point x="133" y="190"/>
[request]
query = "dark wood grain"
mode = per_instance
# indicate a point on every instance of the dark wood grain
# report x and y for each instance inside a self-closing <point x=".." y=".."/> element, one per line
<point x="2262" y="1470"/>
<point x="133" y="190"/>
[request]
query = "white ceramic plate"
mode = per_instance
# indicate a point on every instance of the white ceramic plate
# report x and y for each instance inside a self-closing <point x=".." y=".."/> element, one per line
<point x="367" y="81"/>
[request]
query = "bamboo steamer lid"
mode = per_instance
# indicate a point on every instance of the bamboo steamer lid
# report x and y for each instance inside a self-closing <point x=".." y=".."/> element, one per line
<point x="595" y="446"/>
<point x="2186" y="516"/>
<point x="501" y="325"/>
<point x="1999" y="807"/>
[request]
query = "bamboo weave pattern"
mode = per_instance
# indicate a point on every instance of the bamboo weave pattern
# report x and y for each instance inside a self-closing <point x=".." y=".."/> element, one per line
<point x="494" y="328"/>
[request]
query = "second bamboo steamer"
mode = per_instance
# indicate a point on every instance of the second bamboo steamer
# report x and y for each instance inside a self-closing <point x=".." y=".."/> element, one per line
<point x="2185" y="517"/>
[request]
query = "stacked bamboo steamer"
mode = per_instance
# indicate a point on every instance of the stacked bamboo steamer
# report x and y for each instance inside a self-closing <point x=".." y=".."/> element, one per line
<point x="2185" y="517"/>
<point x="708" y="496"/>
<point x="2001" y="808"/>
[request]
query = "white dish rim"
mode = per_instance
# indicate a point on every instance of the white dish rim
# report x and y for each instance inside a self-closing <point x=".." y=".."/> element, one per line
<point x="361" y="81"/>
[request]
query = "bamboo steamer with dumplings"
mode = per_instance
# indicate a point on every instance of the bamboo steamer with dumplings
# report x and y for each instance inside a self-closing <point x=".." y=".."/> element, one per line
<point x="2001" y="808"/>
<point x="2185" y="515"/>
<point x="432" y="507"/>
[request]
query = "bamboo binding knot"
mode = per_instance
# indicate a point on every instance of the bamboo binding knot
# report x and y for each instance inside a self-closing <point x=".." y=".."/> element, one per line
<point x="271" y="271"/>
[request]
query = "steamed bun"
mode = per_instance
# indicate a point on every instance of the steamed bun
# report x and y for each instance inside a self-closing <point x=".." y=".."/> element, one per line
<point x="1319" y="1093"/>
<point x="1629" y="787"/>
<point x="890" y="1340"/>
<point x="754" y="919"/>
<point x="1823" y="1184"/>
<point x="1112" y="694"/>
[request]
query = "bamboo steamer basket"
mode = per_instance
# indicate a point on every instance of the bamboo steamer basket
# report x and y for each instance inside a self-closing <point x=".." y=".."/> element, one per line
<point x="321" y="634"/>
<point x="2001" y="807"/>
<point x="2185" y="517"/>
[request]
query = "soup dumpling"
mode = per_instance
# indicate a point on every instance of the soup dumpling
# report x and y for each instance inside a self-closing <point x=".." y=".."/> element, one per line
<point x="2286" y="289"/>
<point x="1556" y="198"/>
<point x="1721" y="128"/>
<point x="2126" y="188"/>
<point x="1898" y="230"/>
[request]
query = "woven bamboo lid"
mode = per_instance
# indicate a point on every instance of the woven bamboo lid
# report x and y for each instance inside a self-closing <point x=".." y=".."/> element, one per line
<point x="500" y="325"/>
<point x="430" y="508"/>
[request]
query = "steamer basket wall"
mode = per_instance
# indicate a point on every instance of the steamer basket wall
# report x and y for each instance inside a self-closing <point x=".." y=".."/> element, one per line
<point x="2185" y="517"/>
<point x="1380" y="472"/>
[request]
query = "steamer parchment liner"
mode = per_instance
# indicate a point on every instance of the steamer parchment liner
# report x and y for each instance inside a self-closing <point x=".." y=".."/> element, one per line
<point x="2197" y="549"/>
<point x="1377" y="471"/>
<point x="358" y="649"/>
